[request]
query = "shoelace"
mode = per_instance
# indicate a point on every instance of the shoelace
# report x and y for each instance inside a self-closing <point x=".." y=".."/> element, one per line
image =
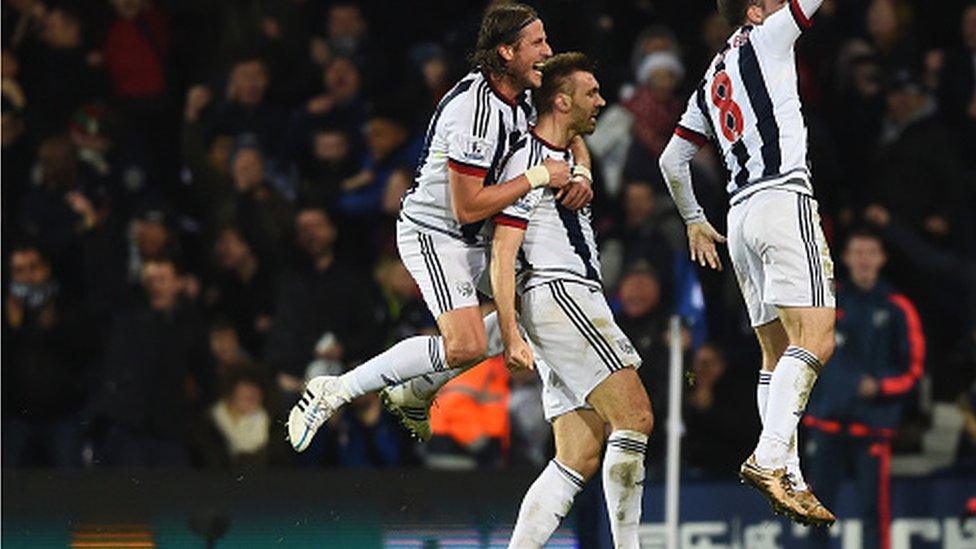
<point x="314" y="417"/>
<point x="788" y="481"/>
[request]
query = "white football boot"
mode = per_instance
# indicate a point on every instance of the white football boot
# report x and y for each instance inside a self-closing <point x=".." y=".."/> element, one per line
<point x="323" y="396"/>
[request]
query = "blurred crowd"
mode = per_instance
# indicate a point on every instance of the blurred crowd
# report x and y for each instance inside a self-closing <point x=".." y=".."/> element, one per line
<point x="199" y="202"/>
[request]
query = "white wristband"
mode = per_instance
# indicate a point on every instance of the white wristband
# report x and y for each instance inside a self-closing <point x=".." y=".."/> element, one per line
<point x="538" y="176"/>
<point x="582" y="170"/>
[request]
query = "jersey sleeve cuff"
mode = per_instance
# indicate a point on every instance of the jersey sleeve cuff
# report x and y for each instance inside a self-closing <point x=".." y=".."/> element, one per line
<point x="466" y="169"/>
<point x="691" y="135"/>
<point x="511" y="221"/>
<point x="801" y="19"/>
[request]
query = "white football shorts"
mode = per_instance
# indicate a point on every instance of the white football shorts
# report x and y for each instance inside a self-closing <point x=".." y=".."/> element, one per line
<point x="779" y="254"/>
<point x="570" y="326"/>
<point x="446" y="268"/>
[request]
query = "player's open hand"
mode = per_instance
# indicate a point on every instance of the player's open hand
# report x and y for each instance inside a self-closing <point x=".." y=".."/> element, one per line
<point x="518" y="355"/>
<point x="702" y="238"/>
<point x="558" y="172"/>
<point x="576" y="195"/>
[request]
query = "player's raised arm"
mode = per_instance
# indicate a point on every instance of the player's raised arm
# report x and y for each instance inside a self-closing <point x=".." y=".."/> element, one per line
<point x="778" y="29"/>
<point x="504" y="248"/>
<point x="474" y="201"/>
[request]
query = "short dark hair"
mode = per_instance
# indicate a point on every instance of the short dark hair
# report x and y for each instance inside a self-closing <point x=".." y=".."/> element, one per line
<point x="734" y="11"/>
<point x="502" y="25"/>
<point x="556" y="74"/>
<point x="866" y="233"/>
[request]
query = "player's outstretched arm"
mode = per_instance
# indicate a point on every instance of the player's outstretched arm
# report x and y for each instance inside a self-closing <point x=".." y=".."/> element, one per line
<point x="474" y="201"/>
<point x="675" y="165"/>
<point x="505" y="245"/>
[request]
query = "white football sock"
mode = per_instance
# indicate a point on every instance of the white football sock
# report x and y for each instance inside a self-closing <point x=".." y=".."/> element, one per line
<point x="789" y="390"/>
<point x="426" y="386"/>
<point x="414" y="356"/>
<point x="545" y="505"/>
<point x="793" y="457"/>
<point x="623" y="484"/>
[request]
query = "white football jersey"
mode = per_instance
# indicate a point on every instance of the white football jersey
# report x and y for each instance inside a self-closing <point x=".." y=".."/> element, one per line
<point x="471" y="132"/>
<point x="559" y="243"/>
<point x="749" y="104"/>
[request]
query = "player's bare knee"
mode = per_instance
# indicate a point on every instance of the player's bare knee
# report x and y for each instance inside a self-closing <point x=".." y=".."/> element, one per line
<point x="824" y="348"/>
<point x="583" y="462"/>
<point x="463" y="351"/>
<point x="638" y="419"/>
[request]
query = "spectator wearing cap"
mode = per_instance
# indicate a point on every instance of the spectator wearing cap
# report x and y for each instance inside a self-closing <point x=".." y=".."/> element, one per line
<point x="917" y="173"/>
<point x="631" y="135"/>
<point x="242" y="289"/>
<point x="320" y="300"/>
<point x="154" y="373"/>
<point x="47" y="352"/>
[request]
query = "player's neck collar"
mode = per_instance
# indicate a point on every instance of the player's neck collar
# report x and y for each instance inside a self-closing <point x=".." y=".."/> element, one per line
<point x="545" y="142"/>
<point x="494" y="89"/>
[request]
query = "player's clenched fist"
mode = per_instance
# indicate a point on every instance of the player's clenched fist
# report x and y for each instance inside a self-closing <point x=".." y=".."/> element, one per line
<point x="518" y="355"/>
<point x="558" y="172"/>
<point x="701" y="243"/>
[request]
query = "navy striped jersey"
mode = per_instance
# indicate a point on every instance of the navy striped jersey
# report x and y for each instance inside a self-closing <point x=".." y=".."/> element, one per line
<point x="471" y="131"/>
<point x="559" y="243"/>
<point x="748" y="103"/>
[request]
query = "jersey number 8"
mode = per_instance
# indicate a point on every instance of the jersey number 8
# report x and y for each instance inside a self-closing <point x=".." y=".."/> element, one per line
<point x="729" y="113"/>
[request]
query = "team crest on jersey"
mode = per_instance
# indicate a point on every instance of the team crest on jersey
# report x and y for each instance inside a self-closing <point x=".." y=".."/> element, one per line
<point x="625" y="346"/>
<point x="465" y="288"/>
<point x="880" y="318"/>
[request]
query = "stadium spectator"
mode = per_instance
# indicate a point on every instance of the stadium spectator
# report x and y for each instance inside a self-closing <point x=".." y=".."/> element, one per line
<point x="226" y="351"/>
<point x="56" y="54"/>
<point x="242" y="289"/>
<point x="717" y="437"/>
<point x="469" y="422"/>
<point x="317" y="297"/>
<point x="855" y="409"/>
<point x="238" y="431"/>
<point x="135" y="49"/>
<point x="47" y="349"/>
<point x="367" y="436"/>
<point x="650" y="231"/>
<point x="644" y="320"/>
<point x="256" y="203"/>
<point x="406" y="310"/>
<point x="957" y="99"/>
<point x="330" y="164"/>
<point x="247" y="109"/>
<point x="917" y="172"/>
<point x="153" y="374"/>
